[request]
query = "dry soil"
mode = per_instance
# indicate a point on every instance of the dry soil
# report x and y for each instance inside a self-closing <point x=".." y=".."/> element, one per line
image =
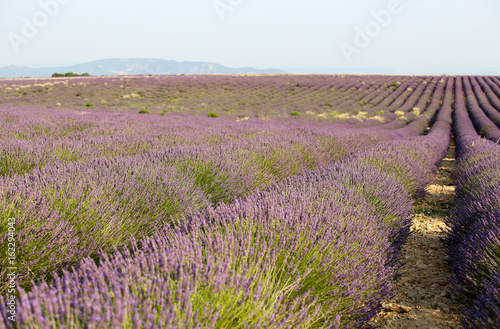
<point x="424" y="298"/>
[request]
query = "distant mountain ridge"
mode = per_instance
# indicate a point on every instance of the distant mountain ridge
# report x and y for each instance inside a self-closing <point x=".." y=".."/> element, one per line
<point x="145" y="66"/>
<point x="139" y="66"/>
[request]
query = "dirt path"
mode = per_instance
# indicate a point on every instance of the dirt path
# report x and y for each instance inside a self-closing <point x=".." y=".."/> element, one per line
<point x="423" y="299"/>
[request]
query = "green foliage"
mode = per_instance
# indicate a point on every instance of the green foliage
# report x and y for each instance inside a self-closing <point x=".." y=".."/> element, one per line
<point x="15" y="162"/>
<point x="295" y="113"/>
<point x="483" y="130"/>
<point x="432" y="211"/>
<point x="328" y="104"/>
<point x="144" y="111"/>
<point x="213" y="115"/>
<point x="69" y="74"/>
<point x="89" y="105"/>
<point x="394" y="85"/>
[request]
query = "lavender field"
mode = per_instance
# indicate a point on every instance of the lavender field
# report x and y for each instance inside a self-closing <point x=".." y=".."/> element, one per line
<point x="238" y="201"/>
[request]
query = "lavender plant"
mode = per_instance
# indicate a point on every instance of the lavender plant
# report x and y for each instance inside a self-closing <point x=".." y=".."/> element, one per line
<point x="472" y="244"/>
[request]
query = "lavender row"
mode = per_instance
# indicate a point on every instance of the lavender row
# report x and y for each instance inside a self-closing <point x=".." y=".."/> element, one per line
<point x="472" y="244"/>
<point x="383" y="95"/>
<point x="415" y="115"/>
<point x="421" y="95"/>
<point x="315" y="250"/>
<point x="484" y="126"/>
<point x="395" y="113"/>
<point x="382" y="111"/>
<point x="32" y="139"/>
<point x="492" y="90"/>
<point x="488" y="100"/>
<point x="438" y="109"/>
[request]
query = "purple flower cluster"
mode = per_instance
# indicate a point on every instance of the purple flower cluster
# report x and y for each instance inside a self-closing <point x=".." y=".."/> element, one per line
<point x="317" y="249"/>
<point x="474" y="240"/>
<point x="486" y="310"/>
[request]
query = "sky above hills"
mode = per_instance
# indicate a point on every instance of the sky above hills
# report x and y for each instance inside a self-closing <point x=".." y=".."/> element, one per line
<point x="403" y="35"/>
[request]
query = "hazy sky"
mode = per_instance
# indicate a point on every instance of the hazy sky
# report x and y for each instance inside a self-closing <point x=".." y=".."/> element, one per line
<point x="407" y="34"/>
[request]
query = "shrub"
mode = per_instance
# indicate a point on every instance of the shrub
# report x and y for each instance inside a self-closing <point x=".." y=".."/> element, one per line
<point x="213" y="115"/>
<point x="89" y="105"/>
<point x="69" y="74"/>
<point x="144" y="111"/>
<point x="295" y="113"/>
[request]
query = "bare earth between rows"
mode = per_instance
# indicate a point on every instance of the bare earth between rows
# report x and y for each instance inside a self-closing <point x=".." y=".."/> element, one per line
<point x="424" y="298"/>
